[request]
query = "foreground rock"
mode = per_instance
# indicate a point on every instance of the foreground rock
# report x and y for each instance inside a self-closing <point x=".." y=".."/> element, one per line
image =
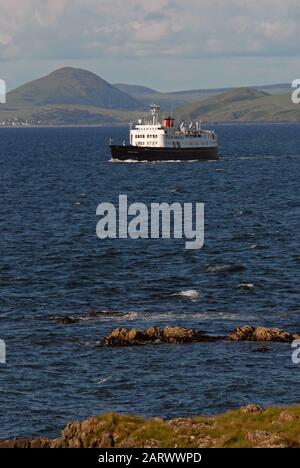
<point x="248" y="333"/>
<point x="170" y="335"/>
<point x="177" y="335"/>
<point x="251" y="426"/>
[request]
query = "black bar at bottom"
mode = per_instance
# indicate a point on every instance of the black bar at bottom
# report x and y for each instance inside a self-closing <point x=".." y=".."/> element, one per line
<point x="147" y="457"/>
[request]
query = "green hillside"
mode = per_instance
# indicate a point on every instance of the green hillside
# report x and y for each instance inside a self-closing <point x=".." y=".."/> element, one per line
<point x="169" y="100"/>
<point x="242" y="105"/>
<point x="71" y="86"/>
<point x="72" y="96"/>
<point x="59" y="115"/>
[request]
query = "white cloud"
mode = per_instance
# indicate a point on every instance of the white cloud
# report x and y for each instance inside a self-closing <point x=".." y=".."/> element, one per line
<point x="87" y="29"/>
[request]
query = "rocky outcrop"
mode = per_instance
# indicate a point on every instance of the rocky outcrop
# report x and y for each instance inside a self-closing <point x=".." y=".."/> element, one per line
<point x="251" y="426"/>
<point x="263" y="439"/>
<point x="248" y="333"/>
<point x="252" y="408"/>
<point x="287" y="416"/>
<point x="170" y="335"/>
<point x="92" y="433"/>
<point x="25" y="443"/>
<point x="178" y="335"/>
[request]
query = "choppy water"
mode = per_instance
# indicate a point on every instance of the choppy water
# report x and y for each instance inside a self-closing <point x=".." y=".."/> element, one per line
<point x="52" y="264"/>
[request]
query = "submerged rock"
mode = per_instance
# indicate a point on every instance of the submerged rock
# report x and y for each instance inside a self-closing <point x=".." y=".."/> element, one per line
<point x="67" y="320"/>
<point x="264" y="349"/>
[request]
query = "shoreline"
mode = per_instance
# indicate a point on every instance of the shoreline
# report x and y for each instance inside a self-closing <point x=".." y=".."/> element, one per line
<point x="125" y="125"/>
<point x="248" y="427"/>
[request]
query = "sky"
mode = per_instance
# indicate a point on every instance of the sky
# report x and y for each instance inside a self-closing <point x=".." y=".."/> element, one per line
<point x="164" y="44"/>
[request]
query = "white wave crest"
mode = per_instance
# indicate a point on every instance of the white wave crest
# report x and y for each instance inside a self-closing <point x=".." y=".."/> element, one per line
<point x="135" y="161"/>
<point x="191" y="294"/>
<point x="246" y="286"/>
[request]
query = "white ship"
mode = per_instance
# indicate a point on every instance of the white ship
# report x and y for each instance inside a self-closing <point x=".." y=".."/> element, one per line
<point x="151" y="140"/>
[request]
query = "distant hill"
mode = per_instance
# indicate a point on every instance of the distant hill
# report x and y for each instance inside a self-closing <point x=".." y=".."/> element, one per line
<point x="136" y="90"/>
<point x="71" y="86"/>
<point x="242" y="105"/>
<point x="169" y="100"/>
<point x="72" y="96"/>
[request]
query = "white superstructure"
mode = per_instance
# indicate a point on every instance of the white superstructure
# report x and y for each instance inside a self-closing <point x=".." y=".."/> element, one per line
<point x="153" y="134"/>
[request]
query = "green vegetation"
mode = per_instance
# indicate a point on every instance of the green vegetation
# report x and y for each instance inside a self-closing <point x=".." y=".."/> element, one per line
<point x="71" y="96"/>
<point x="170" y="100"/>
<point x="71" y="86"/>
<point x="250" y="426"/>
<point x="242" y="105"/>
<point x="59" y="115"/>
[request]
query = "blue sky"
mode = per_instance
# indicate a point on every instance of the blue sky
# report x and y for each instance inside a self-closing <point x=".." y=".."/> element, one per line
<point x="164" y="44"/>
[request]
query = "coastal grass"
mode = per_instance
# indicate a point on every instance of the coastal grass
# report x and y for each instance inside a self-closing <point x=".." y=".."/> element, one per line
<point x="242" y="105"/>
<point x="233" y="429"/>
<point x="248" y="427"/>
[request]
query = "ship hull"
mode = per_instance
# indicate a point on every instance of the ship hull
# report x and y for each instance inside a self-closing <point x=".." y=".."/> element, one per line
<point x="137" y="153"/>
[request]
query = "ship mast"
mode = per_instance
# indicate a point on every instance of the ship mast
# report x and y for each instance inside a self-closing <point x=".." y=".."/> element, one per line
<point x="154" y="108"/>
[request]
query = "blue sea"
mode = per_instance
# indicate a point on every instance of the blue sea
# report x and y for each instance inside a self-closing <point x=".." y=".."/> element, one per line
<point x="53" y="265"/>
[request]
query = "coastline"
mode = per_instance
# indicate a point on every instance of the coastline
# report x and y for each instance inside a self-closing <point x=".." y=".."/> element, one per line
<point x="248" y="427"/>
<point x="125" y="125"/>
